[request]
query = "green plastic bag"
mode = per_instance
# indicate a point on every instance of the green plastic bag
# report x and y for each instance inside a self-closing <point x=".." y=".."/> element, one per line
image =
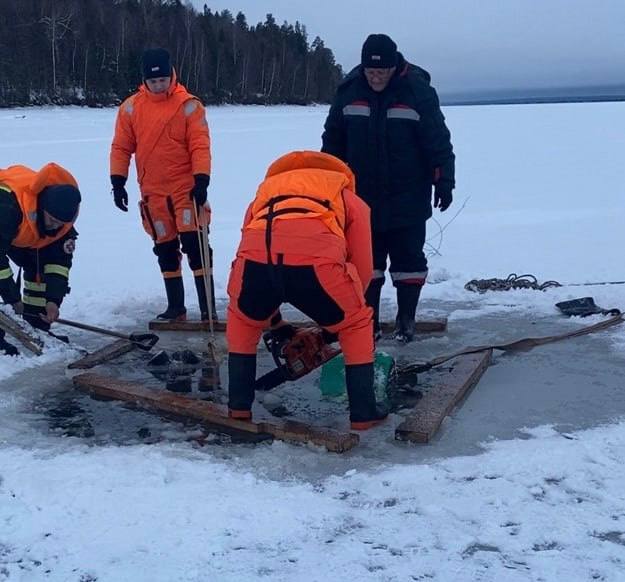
<point x="332" y="382"/>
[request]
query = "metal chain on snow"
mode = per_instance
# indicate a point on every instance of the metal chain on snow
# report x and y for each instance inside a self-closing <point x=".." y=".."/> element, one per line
<point x="513" y="281"/>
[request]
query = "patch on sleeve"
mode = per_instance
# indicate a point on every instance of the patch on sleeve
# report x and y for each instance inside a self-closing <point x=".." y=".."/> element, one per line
<point x="69" y="246"/>
<point x="189" y="107"/>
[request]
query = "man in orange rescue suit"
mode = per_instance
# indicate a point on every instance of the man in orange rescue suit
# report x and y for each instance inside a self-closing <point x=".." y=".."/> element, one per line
<point x="165" y="127"/>
<point x="37" y="215"/>
<point x="306" y="241"/>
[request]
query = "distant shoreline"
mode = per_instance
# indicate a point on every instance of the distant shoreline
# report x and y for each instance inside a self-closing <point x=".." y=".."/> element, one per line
<point x="445" y="101"/>
<point x="456" y="102"/>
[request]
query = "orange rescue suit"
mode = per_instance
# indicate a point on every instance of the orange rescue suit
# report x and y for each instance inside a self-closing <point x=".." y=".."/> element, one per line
<point x="306" y="213"/>
<point x="27" y="184"/>
<point x="169" y="136"/>
<point x="340" y="233"/>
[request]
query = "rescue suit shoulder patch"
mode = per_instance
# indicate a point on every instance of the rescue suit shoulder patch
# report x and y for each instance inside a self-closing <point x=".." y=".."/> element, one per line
<point x="69" y="246"/>
<point x="190" y="106"/>
<point x="129" y="105"/>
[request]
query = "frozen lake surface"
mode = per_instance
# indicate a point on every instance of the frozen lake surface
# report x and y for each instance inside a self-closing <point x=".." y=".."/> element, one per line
<point x="524" y="480"/>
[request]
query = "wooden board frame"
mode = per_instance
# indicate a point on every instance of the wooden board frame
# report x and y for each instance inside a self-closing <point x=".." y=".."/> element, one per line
<point x="419" y="426"/>
<point x="435" y="325"/>
<point x="189" y="325"/>
<point x="211" y="414"/>
<point x="426" y="417"/>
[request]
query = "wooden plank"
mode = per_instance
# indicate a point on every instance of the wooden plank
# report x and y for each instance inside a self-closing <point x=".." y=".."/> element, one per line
<point x="105" y="354"/>
<point x="13" y="328"/>
<point x="190" y="325"/>
<point x="422" y="326"/>
<point x="427" y="416"/>
<point x="301" y="432"/>
<point x="211" y="414"/>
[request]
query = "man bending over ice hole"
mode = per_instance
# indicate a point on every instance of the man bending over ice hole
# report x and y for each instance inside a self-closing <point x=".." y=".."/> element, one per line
<point x="37" y="215"/>
<point x="306" y="241"/>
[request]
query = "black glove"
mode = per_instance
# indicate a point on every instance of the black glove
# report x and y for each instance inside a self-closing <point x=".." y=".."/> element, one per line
<point x="442" y="197"/>
<point x="199" y="192"/>
<point x="120" y="196"/>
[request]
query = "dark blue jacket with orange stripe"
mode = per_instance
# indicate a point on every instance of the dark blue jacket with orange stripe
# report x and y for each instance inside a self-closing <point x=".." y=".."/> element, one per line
<point x="396" y="143"/>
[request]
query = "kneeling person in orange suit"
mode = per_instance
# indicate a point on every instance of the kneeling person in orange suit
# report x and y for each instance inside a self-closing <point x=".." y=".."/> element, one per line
<point x="306" y="241"/>
<point x="38" y="210"/>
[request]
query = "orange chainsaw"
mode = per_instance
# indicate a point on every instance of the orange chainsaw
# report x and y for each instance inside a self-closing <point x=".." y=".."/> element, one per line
<point x="296" y="354"/>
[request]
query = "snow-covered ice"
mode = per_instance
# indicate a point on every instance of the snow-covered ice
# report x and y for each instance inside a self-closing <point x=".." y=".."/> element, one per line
<point x="542" y="188"/>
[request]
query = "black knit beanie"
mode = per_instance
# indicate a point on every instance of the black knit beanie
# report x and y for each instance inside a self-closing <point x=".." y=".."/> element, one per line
<point x="379" y="52"/>
<point x="156" y="63"/>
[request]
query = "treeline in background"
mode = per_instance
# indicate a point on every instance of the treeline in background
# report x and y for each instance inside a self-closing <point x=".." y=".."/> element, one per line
<point x="88" y="52"/>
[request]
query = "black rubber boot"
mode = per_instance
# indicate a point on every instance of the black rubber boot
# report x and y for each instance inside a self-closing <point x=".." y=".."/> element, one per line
<point x="407" y="300"/>
<point x="241" y="380"/>
<point x="201" y="297"/>
<point x="372" y="297"/>
<point x="6" y="347"/>
<point x="176" y="310"/>
<point x="364" y="412"/>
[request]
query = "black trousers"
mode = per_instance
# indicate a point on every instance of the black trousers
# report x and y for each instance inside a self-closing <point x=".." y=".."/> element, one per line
<point x="169" y="255"/>
<point x="34" y="294"/>
<point x="265" y="287"/>
<point x="404" y="247"/>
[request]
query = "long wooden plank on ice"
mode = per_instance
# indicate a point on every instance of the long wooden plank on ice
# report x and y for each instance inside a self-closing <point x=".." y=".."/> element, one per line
<point x="438" y="324"/>
<point x="11" y="327"/>
<point x="422" y="326"/>
<point x="190" y="325"/>
<point x="105" y="354"/>
<point x="427" y="416"/>
<point x="212" y="414"/>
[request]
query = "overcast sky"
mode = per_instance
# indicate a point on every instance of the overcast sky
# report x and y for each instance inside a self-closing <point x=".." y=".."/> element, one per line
<point x="470" y="45"/>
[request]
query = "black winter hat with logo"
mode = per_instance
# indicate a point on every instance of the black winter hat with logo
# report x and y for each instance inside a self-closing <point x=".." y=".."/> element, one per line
<point x="379" y="52"/>
<point x="61" y="201"/>
<point x="156" y="63"/>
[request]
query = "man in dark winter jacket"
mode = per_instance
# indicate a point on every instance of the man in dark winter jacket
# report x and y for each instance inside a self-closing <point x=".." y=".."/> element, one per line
<point x="387" y="125"/>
